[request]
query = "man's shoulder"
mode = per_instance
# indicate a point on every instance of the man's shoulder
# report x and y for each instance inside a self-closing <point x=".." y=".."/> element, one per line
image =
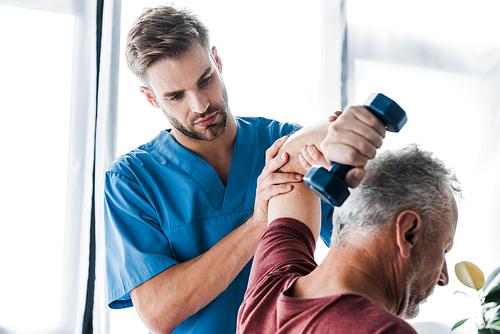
<point x="286" y="248"/>
<point x="347" y="313"/>
<point x="278" y="262"/>
<point x="356" y="308"/>
<point x="288" y="230"/>
<point x="294" y="229"/>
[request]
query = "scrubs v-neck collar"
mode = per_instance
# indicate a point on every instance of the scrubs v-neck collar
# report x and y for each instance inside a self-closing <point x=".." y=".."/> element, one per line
<point x="200" y="171"/>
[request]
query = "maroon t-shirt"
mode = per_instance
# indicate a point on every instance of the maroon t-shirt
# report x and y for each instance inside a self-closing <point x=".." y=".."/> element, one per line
<point x="285" y="253"/>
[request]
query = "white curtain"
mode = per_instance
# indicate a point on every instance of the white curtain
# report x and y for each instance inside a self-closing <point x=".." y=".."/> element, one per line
<point x="440" y="60"/>
<point x="105" y="147"/>
<point x="333" y="44"/>
<point x="66" y="194"/>
<point x="80" y="178"/>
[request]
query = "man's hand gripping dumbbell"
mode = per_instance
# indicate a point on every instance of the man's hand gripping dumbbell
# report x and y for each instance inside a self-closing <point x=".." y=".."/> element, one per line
<point x="351" y="141"/>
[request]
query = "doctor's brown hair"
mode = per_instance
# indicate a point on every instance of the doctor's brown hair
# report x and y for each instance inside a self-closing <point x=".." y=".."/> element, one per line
<point x="162" y="32"/>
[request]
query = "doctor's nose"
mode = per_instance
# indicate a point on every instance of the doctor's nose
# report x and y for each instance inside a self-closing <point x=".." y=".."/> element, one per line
<point x="199" y="103"/>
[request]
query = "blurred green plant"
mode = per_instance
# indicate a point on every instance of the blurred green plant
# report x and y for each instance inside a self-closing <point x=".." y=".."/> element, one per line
<point x="487" y="299"/>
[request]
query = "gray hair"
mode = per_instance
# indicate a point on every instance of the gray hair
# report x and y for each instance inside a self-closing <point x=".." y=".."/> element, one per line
<point x="395" y="181"/>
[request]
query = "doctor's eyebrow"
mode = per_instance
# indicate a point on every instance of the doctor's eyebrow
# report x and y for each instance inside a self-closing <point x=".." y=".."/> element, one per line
<point x="173" y="94"/>
<point x="198" y="82"/>
<point x="204" y="75"/>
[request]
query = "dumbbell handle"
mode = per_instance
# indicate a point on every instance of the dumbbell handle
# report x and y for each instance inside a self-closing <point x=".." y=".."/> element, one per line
<point x="374" y="106"/>
<point x="330" y="185"/>
<point x="340" y="170"/>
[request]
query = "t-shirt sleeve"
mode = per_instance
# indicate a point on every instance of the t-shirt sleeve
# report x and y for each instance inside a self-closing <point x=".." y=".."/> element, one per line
<point x="131" y="257"/>
<point x="286" y="244"/>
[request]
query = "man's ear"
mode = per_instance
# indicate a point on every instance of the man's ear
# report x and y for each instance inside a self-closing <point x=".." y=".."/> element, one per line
<point x="408" y="232"/>
<point x="217" y="58"/>
<point x="149" y="96"/>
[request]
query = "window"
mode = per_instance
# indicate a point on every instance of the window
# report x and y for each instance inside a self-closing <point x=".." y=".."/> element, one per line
<point x="48" y="80"/>
<point x="34" y="122"/>
<point x="439" y="61"/>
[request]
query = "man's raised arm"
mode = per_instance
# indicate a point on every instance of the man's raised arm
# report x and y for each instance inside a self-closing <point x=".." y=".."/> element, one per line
<point x="350" y="138"/>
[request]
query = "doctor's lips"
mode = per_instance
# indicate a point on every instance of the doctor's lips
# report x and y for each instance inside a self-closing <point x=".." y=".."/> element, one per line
<point x="204" y="122"/>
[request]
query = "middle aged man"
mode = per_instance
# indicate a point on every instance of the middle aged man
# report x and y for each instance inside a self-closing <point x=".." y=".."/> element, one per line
<point x="387" y="252"/>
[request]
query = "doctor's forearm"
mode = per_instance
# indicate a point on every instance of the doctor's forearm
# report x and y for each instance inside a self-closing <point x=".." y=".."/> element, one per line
<point x="166" y="300"/>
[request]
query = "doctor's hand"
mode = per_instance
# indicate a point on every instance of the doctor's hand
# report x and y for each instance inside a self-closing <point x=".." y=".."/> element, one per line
<point x="310" y="155"/>
<point x="270" y="182"/>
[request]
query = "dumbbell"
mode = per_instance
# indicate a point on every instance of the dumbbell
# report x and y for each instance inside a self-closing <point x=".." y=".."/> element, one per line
<point x="329" y="185"/>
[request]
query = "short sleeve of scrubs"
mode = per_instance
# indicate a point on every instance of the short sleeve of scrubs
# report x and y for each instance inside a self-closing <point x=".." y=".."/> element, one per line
<point x="137" y="242"/>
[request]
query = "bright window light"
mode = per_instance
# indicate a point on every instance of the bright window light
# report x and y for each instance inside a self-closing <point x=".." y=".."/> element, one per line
<point x="463" y="22"/>
<point x="450" y="112"/>
<point x="35" y="63"/>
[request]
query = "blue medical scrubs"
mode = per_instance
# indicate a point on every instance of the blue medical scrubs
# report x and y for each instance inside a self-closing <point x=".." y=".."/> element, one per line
<point x="165" y="205"/>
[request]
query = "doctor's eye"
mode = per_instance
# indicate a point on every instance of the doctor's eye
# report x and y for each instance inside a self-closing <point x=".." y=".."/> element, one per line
<point x="175" y="97"/>
<point x="206" y="80"/>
